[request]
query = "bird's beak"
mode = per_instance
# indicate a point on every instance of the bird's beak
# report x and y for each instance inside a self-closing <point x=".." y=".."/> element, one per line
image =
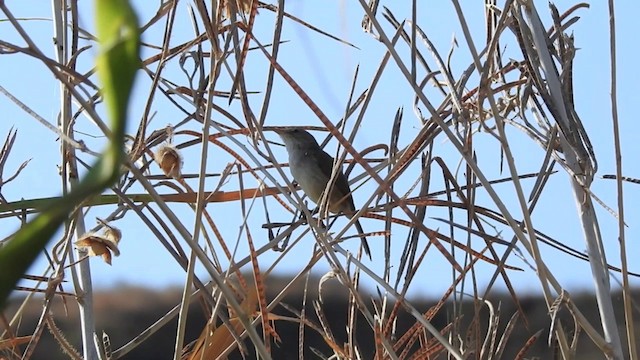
<point x="282" y="132"/>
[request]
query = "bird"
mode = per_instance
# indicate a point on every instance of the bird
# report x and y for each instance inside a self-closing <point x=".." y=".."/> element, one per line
<point x="311" y="167"/>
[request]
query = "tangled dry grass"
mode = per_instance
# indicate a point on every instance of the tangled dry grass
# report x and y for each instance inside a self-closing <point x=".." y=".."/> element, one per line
<point x="217" y="158"/>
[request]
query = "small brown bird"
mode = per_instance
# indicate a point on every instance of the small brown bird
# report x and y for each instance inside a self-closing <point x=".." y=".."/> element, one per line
<point x="311" y="167"/>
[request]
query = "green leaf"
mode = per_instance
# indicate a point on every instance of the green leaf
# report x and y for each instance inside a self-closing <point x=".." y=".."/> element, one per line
<point x="118" y="59"/>
<point x="117" y="64"/>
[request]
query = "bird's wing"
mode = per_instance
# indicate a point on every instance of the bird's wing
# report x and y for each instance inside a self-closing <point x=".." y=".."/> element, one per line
<point x="325" y="161"/>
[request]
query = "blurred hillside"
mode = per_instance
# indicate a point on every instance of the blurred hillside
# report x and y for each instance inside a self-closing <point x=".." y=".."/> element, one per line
<point x="123" y="313"/>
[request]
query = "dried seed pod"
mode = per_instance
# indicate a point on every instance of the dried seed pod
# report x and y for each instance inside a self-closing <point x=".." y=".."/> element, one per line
<point x="236" y="6"/>
<point x="98" y="245"/>
<point x="111" y="232"/>
<point x="169" y="160"/>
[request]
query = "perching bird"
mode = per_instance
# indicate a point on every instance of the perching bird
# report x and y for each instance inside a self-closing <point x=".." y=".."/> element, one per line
<point x="311" y="167"/>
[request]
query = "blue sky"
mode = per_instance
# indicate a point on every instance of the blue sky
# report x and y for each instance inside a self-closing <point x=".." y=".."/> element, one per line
<point x="325" y="69"/>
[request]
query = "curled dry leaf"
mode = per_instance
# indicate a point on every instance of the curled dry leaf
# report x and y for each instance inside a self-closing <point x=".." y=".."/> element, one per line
<point x="214" y="340"/>
<point x="169" y="160"/>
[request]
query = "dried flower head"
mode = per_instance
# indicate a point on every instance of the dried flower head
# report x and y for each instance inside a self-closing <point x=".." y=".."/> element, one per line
<point x="169" y="160"/>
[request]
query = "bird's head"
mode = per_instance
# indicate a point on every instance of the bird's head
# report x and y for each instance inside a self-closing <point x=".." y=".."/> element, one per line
<point x="295" y="138"/>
